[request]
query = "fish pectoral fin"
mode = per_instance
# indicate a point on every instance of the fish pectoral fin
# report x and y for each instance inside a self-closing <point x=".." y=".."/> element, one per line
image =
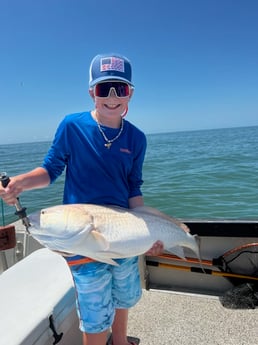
<point x="107" y="257"/>
<point x="104" y="259"/>
<point x="109" y="261"/>
<point x="178" y="251"/>
<point x="97" y="241"/>
<point x="111" y="254"/>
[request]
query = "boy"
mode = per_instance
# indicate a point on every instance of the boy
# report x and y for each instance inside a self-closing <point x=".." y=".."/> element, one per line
<point x="103" y="156"/>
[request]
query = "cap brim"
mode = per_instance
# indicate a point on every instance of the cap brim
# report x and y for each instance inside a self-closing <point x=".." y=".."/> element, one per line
<point x="99" y="80"/>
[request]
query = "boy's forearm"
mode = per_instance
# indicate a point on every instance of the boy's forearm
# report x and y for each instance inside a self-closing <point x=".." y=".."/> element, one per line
<point x="37" y="178"/>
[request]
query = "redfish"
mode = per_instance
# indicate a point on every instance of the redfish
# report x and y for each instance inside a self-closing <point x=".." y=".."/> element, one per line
<point x="104" y="233"/>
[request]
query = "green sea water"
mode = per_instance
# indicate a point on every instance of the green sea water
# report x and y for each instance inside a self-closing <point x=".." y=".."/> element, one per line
<point x="207" y="174"/>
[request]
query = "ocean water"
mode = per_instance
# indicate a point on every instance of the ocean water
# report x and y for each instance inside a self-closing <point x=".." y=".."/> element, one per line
<point x="206" y="174"/>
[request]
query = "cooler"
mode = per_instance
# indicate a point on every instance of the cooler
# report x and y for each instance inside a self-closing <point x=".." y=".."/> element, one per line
<point x="37" y="302"/>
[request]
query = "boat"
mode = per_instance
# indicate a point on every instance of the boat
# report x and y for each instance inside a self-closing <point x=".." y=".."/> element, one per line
<point x="39" y="303"/>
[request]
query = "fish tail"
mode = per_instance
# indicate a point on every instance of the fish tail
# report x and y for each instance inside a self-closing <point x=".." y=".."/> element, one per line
<point x="198" y="253"/>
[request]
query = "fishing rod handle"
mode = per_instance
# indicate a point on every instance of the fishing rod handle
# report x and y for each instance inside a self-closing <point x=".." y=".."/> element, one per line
<point x="20" y="211"/>
<point x="4" y="179"/>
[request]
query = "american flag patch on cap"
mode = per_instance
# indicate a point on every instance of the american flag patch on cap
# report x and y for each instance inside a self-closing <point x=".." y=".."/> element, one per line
<point x="112" y="64"/>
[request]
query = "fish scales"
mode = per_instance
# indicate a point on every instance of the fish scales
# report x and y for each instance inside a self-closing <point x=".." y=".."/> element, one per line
<point x="104" y="233"/>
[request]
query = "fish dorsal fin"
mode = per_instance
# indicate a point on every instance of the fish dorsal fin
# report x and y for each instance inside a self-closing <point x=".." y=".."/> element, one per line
<point x="154" y="212"/>
<point x="97" y="241"/>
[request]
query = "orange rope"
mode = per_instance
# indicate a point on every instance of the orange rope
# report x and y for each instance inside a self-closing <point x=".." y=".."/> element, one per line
<point x="79" y="261"/>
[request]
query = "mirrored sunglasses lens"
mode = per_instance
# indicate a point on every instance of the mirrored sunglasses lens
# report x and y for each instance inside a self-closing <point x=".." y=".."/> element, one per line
<point x="122" y="89"/>
<point x="102" y="89"/>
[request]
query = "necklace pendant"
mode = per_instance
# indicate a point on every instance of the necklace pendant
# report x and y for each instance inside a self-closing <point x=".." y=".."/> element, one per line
<point x="108" y="145"/>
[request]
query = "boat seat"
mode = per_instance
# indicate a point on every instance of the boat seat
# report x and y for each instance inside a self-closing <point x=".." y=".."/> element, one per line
<point x="37" y="300"/>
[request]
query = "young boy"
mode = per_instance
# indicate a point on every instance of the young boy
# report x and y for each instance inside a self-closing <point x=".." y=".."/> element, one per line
<point x="103" y="156"/>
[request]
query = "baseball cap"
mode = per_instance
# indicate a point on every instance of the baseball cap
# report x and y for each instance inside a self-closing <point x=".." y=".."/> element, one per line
<point x="110" y="67"/>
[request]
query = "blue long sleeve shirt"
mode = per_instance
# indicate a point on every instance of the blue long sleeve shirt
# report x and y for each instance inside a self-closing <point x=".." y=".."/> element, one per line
<point x="94" y="173"/>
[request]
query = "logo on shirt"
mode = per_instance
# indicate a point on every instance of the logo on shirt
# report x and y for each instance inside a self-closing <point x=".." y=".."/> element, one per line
<point x="125" y="151"/>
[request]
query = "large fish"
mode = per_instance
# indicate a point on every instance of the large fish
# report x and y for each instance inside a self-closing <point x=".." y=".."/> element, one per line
<point x="105" y="233"/>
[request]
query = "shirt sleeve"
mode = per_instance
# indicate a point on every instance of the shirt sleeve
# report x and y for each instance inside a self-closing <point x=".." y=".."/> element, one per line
<point x="57" y="156"/>
<point x="135" y="177"/>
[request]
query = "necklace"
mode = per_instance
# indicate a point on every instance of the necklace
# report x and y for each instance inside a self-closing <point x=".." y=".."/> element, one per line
<point x="109" y="142"/>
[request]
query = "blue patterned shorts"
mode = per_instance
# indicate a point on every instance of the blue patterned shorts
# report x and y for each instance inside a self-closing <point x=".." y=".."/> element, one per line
<point x="102" y="288"/>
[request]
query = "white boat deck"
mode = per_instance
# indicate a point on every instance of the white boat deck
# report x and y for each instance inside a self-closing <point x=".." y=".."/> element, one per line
<point x="163" y="318"/>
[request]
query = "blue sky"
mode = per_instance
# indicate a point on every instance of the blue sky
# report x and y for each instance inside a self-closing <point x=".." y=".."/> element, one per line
<point x="195" y="62"/>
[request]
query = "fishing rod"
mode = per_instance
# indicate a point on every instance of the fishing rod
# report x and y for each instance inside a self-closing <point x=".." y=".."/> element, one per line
<point x="7" y="238"/>
<point x="199" y="270"/>
<point x="224" y="263"/>
<point x="20" y="212"/>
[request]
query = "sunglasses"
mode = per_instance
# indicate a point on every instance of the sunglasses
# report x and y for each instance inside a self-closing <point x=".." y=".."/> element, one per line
<point x="120" y="88"/>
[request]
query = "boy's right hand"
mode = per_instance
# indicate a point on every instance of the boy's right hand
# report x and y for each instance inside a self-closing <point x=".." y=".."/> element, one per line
<point x="10" y="193"/>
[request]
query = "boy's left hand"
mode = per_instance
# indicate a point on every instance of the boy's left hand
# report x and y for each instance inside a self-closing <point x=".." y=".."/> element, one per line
<point x="156" y="249"/>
